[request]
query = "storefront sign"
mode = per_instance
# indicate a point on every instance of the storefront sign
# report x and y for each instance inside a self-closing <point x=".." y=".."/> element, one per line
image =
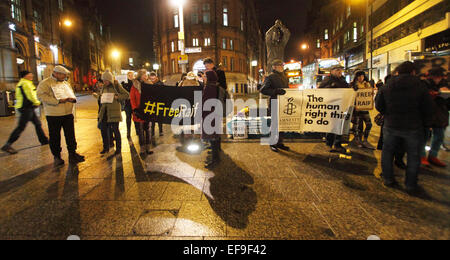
<point x="193" y="50"/>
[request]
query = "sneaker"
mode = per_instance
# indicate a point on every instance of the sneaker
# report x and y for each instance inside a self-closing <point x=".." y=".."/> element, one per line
<point x="283" y="147"/>
<point x="424" y="161"/>
<point x="58" y="162"/>
<point x="274" y="148"/>
<point x="9" y="149"/>
<point x="391" y="184"/>
<point x="340" y="149"/>
<point x="76" y="158"/>
<point x="436" y="162"/>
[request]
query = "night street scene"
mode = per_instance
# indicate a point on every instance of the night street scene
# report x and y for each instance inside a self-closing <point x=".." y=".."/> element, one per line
<point x="244" y="121"/>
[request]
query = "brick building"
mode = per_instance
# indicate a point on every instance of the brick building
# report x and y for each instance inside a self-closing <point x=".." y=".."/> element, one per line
<point x="226" y="31"/>
<point x="36" y="35"/>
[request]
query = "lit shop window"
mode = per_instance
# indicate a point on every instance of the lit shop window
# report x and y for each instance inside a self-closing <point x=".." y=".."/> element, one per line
<point x="326" y="37"/>
<point x="318" y="43"/>
<point x="195" y="42"/>
<point x="172" y="45"/>
<point x="207" y="42"/>
<point x="175" y="19"/>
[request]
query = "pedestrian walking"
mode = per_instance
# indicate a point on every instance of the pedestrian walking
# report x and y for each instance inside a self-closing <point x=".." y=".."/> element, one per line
<point x="127" y="106"/>
<point x="335" y="80"/>
<point x="440" y="119"/>
<point x="156" y="82"/>
<point x="274" y="85"/>
<point x="110" y="114"/>
<point x="59" y="105"/>
<point x="26" y="103"/>
<point x="407" y="108"/>
<point x="362" y="117"/>
<point x="142" y="126"/>
<point x="210" y="92"/>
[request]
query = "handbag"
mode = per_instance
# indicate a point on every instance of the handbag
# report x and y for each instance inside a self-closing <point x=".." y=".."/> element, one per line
<point x="379" y="119"/>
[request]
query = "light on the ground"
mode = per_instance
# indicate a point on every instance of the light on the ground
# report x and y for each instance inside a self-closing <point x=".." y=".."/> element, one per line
<point x="193" y="148"/>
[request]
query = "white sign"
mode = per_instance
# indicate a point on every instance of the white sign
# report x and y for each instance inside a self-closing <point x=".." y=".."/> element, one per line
<point x="107" y="98"/>
<point x="316" y="110"/>
<point x="63" y="91"/>
<point x="193" y="50"/>
<point x="364" y="99"/>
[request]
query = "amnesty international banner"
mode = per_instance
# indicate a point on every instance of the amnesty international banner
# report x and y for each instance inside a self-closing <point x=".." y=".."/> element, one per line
<point x="157" y="104"/>
<point x="319" y="110"/>
<point x="364" y="99"/>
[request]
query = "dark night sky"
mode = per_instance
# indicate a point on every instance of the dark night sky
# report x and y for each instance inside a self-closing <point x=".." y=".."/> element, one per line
<point x="131" y="21"/>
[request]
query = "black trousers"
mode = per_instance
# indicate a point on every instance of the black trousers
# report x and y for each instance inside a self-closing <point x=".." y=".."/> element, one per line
<point x="27" y="115"/>
<point x="143" y="131"/>
<point x="55" y="124"/>
<point x="160" y="126"/>
<point x="108" y="130"/>
<point x="129" y="114"/>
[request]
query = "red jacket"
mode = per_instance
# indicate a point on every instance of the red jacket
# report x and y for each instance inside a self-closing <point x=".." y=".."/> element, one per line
<point x="135" y="100"/>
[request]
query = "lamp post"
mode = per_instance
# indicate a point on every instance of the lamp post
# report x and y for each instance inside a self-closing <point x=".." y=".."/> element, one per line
<point x="181" y="36"/>
<point x="67" y="23"/>
<point x="115" y="54"/>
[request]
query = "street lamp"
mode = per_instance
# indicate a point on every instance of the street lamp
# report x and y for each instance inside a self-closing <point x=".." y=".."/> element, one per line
<point x="67" y="23"/>
<point x="115" y="54"/>
<point x="304" y="46"/>
<point x="180" y="4"/>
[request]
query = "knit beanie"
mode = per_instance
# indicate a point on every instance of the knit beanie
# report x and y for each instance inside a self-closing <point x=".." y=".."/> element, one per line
<point x="22" y="74"/>
<point x="108" y="76"/>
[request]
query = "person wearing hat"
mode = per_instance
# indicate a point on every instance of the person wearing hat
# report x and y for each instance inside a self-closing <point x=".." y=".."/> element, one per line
<point x="59" y="104"/>
<point x="362" y="117"/>
<point x="335" y="80"/>
<point x="110" y="114"/>
<point x="274" y="85"/>
<point x="26" y="102"/>
<point x="190" y="81"/>
<point x="441" y="106"/>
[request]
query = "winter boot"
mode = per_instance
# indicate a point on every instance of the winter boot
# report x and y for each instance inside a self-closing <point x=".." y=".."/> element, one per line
<point x="75" y="158"/>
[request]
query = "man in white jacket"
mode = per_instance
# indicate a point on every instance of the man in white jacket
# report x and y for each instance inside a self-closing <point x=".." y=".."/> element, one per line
<point x="58" y="98"/>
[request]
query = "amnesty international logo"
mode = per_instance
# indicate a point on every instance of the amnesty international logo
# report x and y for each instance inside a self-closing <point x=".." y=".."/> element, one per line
<point x="290" y="108"/>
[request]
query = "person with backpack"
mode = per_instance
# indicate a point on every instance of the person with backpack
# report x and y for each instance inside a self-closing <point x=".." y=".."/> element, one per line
<point x="26" y="103"/>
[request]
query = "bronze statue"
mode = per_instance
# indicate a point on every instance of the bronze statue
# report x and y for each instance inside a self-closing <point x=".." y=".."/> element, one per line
<point x="277" y="38"/>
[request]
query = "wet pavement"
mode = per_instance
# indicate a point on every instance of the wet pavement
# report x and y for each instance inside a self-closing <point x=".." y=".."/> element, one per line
<point x="253" y="194"/>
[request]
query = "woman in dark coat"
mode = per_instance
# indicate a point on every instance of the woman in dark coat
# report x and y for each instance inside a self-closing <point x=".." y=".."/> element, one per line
<point x="210" y="91"/>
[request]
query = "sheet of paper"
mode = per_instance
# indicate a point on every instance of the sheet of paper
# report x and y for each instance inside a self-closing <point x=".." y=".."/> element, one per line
<point x="107" y="98"/>
<point x="63" y="91"/>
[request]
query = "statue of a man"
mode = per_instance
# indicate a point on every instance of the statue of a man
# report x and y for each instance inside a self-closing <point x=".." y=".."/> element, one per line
<point x="277" y="38"/>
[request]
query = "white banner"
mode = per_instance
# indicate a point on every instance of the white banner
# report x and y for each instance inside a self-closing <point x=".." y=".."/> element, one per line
<point x="316" y="110"/>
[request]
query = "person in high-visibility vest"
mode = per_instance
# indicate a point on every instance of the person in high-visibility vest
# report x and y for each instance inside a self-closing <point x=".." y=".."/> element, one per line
<point x="26" y="103"/>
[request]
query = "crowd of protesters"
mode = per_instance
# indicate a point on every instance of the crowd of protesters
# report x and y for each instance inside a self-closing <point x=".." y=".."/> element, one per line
<point x="412" y="111"/>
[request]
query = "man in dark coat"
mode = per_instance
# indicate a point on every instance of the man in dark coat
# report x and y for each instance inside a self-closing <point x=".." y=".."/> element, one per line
<point x="156" y="82"/>
<point x="440" y="116"/>
<point x="128" y="111"/>
<point x="274" y="86"/>
<point x="222" y="79"/>
<point x="335" y="80"/>
<point x="407" y="107"/>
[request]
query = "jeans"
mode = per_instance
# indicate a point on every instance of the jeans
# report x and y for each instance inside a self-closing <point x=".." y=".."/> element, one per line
<point x="412" y="141"/>
<point x="27" y="115"/>
<point x="363" y="117"/>
<point x="143" y="131"/>
<point x="108" y="129"/>
<point x="436" y="141"/>
<point x="55" y="124"/>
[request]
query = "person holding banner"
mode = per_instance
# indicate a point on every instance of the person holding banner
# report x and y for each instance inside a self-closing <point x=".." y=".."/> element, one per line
<point x="127" y="107"/>
<point x="274" y="85"/>
<point x="335" y="80"/>
<point x="26" y="104"/>
<point x="210" y="92"/>
<point x="156" y="82"/>
<point x="362" y="116"/>
<point x="59" y="104"/>
<point x="407" y="108"/>
<point x="110" y="114"/>
<point x="142" y="127"/>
